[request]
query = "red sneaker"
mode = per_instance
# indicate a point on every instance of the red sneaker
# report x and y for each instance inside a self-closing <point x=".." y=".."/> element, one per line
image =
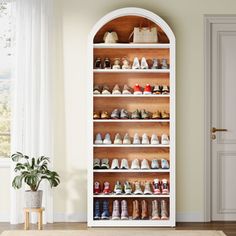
<point x="106" y="188"/>
<point x="156" y="186"/>
<point x="97" y="188"/>
<point x="147" y="89"/>
<point x="137" y="90"/>
<point x="165" y="187"/>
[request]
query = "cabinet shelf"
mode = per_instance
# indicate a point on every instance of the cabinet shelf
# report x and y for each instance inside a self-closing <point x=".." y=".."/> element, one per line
<point x="133" y="171"/>
<point x="131" y="71"/>
<point x="130" y="121"/>
<point x="129" y="196"/>
<point x="131" y="45"/>
<point x="131" y="96"/>
<point x="131" y="146"/>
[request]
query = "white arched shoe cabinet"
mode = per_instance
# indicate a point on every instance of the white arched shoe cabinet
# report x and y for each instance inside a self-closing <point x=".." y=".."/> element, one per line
<point x="123" y="21"/>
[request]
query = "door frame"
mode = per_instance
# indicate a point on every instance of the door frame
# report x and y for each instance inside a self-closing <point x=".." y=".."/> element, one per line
<point x="209" y="20"/>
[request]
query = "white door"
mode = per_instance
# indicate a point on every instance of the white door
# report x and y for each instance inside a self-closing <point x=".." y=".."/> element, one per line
<point x="223" y="159"/>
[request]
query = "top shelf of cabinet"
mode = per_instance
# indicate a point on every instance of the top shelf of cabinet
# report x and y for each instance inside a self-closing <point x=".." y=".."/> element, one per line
<point x="131" y="45"/>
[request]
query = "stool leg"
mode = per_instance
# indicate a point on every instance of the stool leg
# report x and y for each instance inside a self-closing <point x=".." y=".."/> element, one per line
<point x="26" y="220"/>
<point x="40" y="220"/>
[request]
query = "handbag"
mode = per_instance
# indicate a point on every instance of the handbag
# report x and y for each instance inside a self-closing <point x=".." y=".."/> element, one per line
<point x="144" y="35"/>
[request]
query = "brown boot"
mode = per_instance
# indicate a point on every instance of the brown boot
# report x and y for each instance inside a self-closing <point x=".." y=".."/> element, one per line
<point x="144" y="210"/>
<point x="164" y="210"/>
<point x="136" y="214"/>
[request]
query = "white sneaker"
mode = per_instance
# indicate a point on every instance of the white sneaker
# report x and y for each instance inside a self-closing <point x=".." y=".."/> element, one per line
<point x="124" y="164"/>
<point x="154" y="140"/>
<point x="98" y="139"/>
<point x="144" y="64"/>
<point x="126" y="139"/>
<point x="147" y="189"/>
<point x="138" y="189"/>
<point x="135" y="165"/>
<point x="144" y="165"/>
<point x="115" y="164"/>
<point x="155" y="164"/>
<point x="136" y="139"/>
<point x="118" y="139"/>
<point x="107" y="139"/>
<point x="165" y="139"/>
<point x="136" y="64"/>
<point x="145" y="139"/>
<point x="165" y="164"/>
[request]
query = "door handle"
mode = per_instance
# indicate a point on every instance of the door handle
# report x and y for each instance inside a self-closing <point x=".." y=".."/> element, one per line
<point x="213" y="130"/>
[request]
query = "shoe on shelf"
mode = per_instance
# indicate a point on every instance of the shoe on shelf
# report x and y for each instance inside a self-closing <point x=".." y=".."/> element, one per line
<point x="136" y="114"/>
<point x="135" y="165"/>
<point x="115" y="114"/>
<point x="105" y="164"/>
<point x="155" y="164"/>
<point x="136" y="64"/>
<point x="96" y="164"/>
<point x="165" y="89"/>
<point x="98" y="139"/>
<point x="124" y="114"/>
<point x="147" y="188"/>
<point x="144" y="214"/>
<point x="116" y="64"/>
<point x="96" y="115"/>
<point x="105" y="90"/>
<point x="116" y="210"/>
<point x="97" y="213"/>
<point x="136" y="139"/>
<point x="118" y="188"/>
<point x="144" y="165"/>
<point x="157" y="89"/>
<point x="165" y="164"/>
<point x="164" y="64"/>
<point x="126" y="90"/>
<point x="107" y="63"/>
<point x="165" y="115"/>
<point x="156" y="187"/>
<point x="107" y="139"/>
<point x="136" y="211"/>
<point x="105" y="115"/>
<point x="144" y="114"/>
<point x="124" y="164"/>
<point x="165" y="139"/>
<point x="105" y="211"/>
<point x="126" y="64"/>
<point x="118" y="139"/>
<point x="96" y="188"/>
<point x="96" y="90"/>
<point x="115" y="164"/>
<point x="144" y="64"/>
<point x="164" y="210"/>
<point x="124" y="210"/>
<point x="145" y="139"/>
<point x="116" y="90"/>
<point x="126" y="139"/>
<point x="155" y="63"/>
<point x="154" y="140"/>
<point x="98" y="63"/>
<point x="106" y="188"/>
<point x="138" y="189"/>
<point x="127" y="188"/>
<point x="156" y="210"/>
<point x="165" y="187"/>
<point x="156" y="115"/>
<point x="147" y="90"/>
<point x="137" y="90"/>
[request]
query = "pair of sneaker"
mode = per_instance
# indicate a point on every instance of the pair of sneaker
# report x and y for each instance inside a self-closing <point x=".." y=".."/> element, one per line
<point x="126" y="140"/>
<point x="138" y="90"/>
<point x="120" y="210"/>
<point x="136" y="166"/>
<point x="118" y="189"/>
<point x="115" y="164"/>
<point x="138" y="189"/>
<point x="142" y="65"/>
<point x="161" y="187"/>
<point x="101" y="164"/>
<point x="105" y="65"/>
<point x="117" y="90"/>
<point x="145" y="139"/>
<point x="105" y="210"/>
<point x="106" y="140"/>
<point x="140" y="114"/>
<point x="97" y="188"/>
<point x="119" y="114"/>
<point x="104" y="90"/>
<point x="164" y="164"/>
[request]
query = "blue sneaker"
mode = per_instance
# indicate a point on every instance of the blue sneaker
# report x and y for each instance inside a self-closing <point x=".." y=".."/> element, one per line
<point x="105" y="212"/>
<point x="164" y="164"/>
<point x="97" y="214"/>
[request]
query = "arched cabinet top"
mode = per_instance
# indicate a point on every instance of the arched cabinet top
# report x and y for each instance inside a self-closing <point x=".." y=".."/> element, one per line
<point x="123" y="22"/>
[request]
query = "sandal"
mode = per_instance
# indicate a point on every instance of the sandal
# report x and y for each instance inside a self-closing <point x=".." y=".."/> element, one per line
<point x="115" y="114"/>
<point x="105" y="115"/>
<point x="156" y="115"/>
<point x="157" y="89"/>
<point x="96" y="115"/>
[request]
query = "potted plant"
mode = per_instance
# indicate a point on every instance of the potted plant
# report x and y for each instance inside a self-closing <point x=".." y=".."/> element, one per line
<point x="33" y="171"/>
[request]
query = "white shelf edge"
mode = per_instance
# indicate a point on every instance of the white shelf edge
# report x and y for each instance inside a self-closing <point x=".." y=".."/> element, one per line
<point x="131" y="96"/>
<point x="131" y="45"/>
<point x="130" y="121"/>
<point x="131" y="71"/>
<point x="130" y="196"/>
<point x="132" y="171"/>
<point x="132" y="146"/>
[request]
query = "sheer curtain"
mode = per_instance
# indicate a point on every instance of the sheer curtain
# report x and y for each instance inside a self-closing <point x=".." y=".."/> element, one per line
<point x="32" y="112"/>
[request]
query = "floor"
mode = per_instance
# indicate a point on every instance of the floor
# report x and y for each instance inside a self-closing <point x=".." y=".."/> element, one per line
<point x="229" y="228"/>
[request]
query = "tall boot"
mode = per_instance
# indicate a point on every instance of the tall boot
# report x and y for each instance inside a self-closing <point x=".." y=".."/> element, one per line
<point x="164" y="210"/>
<point x="155" y="210"/>
<point x="144" y="210"/>
<point x="136" y="213"/>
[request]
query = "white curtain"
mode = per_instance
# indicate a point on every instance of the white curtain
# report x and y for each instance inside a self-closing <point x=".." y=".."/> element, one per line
<point x="32" y="111"/>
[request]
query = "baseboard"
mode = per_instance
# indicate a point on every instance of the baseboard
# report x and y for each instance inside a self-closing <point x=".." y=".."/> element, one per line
<point x="66" y="217"/>
<point x="4" y="217"/>
<point x="190" y="217"/>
